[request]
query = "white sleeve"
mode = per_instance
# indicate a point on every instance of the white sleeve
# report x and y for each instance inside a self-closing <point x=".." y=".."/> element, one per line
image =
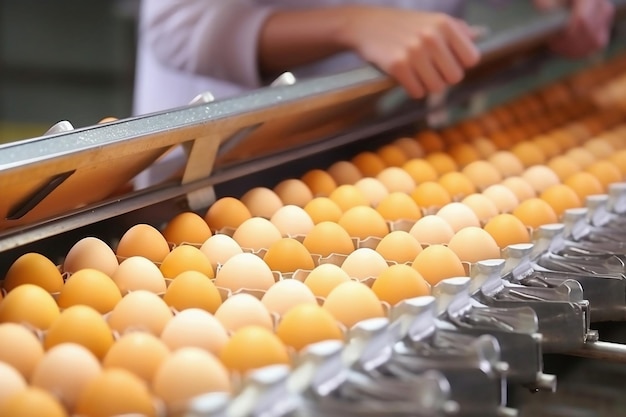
<point x="214" y="38"/>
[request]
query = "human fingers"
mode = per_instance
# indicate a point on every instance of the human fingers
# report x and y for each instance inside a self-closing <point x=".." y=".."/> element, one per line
<point x="404" y="74"/>
<point x="443" y="59"/>
<point x="458" y="36"/>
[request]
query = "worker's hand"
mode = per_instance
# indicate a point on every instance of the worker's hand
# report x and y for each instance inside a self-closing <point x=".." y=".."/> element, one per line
<point x="425" y="52"/>
<point x="587" y="30"/>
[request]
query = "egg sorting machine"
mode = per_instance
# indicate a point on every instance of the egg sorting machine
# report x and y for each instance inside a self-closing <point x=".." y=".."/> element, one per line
<point x="472" y="348"/>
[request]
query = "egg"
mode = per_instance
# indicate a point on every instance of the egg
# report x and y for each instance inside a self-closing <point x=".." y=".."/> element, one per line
<point x="396" y="179"/>
<point x="520" y="187"/>
<point x="261" y="202"/>
<point x="600" y="148"/>
<point x="482" y="174"/>
<point x="457" y="184"/>
<point x="90" y="252"/>
<point x="540" y="177"/>
<point x="619" y="159"/>
<point x="140" y="353"/>
<point x="286" y="294"/>
<point x="368" y="163"/>
<point x="320" y="182"/>
<point x="364" y="263"/>
<point x="92" y="288"/>
<point x="186" y="258"/>
<point x="485" y="148"/>
<point x="187" y="227"/>
<point x="288" y="255"/>
<point x="392" y="155"/>
<point x="242" y="310"/>
<point x="548" y="146"/>
<point x="344" y="172"/>
<point x="347" y="196"/>
<point x="438" y="262"/>
<point x="187" y="373"/>
<point x="563" y="166"/>
<point x="17" y="307"/>
<point x="529" y="154"/>
<point x="33" y="402"/>
<point x="352" y="302"/>
<point x="140" y="310"/>
<point x="322" y="209"/>
<point x="363" y="222"/>
<point x="374" y="190"/>
<point x="458" y="216"/>
<point x="535" y="212"/>
<point x="420" y="170"/>
<point x="430" y="141"/>
<point x="195" y="328"/>
<point x="306" y="324"/>
<point x="324" y="278"/>
<point x="327" y="238"/>
<point x="581" y="156"/>
<point x="409" y="147"/>
<point x="219" y="248"/>
<point x="244" y="270"/>
<point x="115" y="392"/>
<point x="21" y="348"/>
<point x="399" y="206"/>
<point x="143" y="240"/>
<point x="431" y="195"/>
<point x="463" y="154"/>
<point x="12" y="382"/>
<point x="82" y="325"/>
<point x="256" y="233"/>
<point x="506" y="229"/>
<point x="584" y="184"/>
<point x="399" y="246"/>
<point x="561" y="197"/>
<point x="291" y="220"/>
<point x="192" y="289"/>
<point x="606" y="172"/>
<point x="268" y="350"/>
<point x="399" y="282"/>
<point x="226" y="212"/>
<point x="441" y="162"/>
<point x="482" y="206"/>
<point x="34" y="268"/>
<point x="293" y="192"/>
<point x="520" y="190"/>
<point x="473" y="244"/>
<point x="64" y="370"/>
<point x="432" y="229"/>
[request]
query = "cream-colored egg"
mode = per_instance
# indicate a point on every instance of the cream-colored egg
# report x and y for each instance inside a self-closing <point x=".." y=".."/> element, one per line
<point x="324" y="278"/>
<point x="540" y="177"/>
<point x="140" y="353"/>
<point x="482" y="206"/>
<point x="286" y="294"/>
<point x="140" y="310"/>
<point x="473" y="244"/>
<point x="293" y="192"/>
<point x="292" y="220"/>
<point x="90" y="252"/>
<point x="242" y="310"/>
<point x="219" y="248"/>
<point x="20" y="348"/>
<point x="373" y="189"/>
<point x="364" y="263"/>
<point x="138" y="273"/>
<point x="262" y="202"/>
<point x="256" y="233"/>
<point x="244" y="271"/>
<point x="432" y="229"/>
<point x="195" y="328"/>
<point x="396" y="179"/>
<point x="399" y="246"/>
<point x="12" y="382"/>
<point x="458" y="216"/>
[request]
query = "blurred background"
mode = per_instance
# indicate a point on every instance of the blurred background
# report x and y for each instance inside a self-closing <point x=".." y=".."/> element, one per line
<point x="64" y="60"/>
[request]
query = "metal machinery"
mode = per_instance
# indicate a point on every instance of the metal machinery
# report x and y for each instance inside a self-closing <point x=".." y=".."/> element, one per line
<point x="477" y="347"/>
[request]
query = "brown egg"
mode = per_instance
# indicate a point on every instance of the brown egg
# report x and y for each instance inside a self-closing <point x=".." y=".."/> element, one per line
<point x="17" y="307"/>
<point x="561" y="197"/>
<point x="584" y="184"/>
<point x="473" y="244"/>
<point x="344" y="172"/>
<point x="563" y="166"/>
<point x="437" y="262"/>
<point x="363" y="222"/>
<point x="306" y="324"/>
<point x="399" y="246"/>
<point x="364" y="263"/>
<point x="430" y="141"/>
<point x="33" y="268"/>
<point x="327" y="238"/>
<point x="392" y="155"/>
<point x="21" y="349"/>
<point x="192" y="289"/>
<point x="288" y="255"/>
<point x="606" y="172"/>
<point x="323" y="278"/>
<point x="90" y="252"/>
<point x="482" y="174"/>
<point x="409" y="147"/>
<point x="92" y="288"/>
<point x="441" y="162"/>
<point x="261" y="202"/>
<point x="269" y="350"/>
<point x="457" y="184"/>
<point x="420" y="170"/>
<point x="352" y="302"/>
<point x="463" y="154"/>
<point x="322" y="209"/>
<point x="320" y="182"/>
<point x="348" y="196"/>
<point x="226" y="212"/>
<point x="399" y="282"/>
<point x="256" y="233"/>
<point x="143" y="240"/>
<point x="507" y="163"/>
<point x="186" y="258"/>
<point x="581" y="156"/>
<point x="187" y="227"/>
<point x="506" y="229"/>
<point x="138" y="352"/>
<point x="399" y="206"/>
<point x="535" y="212"/>
<point x="293" y="192"/>
<point x="482" y="206"/>
<point x="32" y="401"/>
<point x="369" y="163"/>
<point x="484" y="147"/>
<point x="529" y="154"/>
<point x="431" y="195"/>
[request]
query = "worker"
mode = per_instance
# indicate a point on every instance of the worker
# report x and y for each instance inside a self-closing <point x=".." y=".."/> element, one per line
<point x="188" y="47"/>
